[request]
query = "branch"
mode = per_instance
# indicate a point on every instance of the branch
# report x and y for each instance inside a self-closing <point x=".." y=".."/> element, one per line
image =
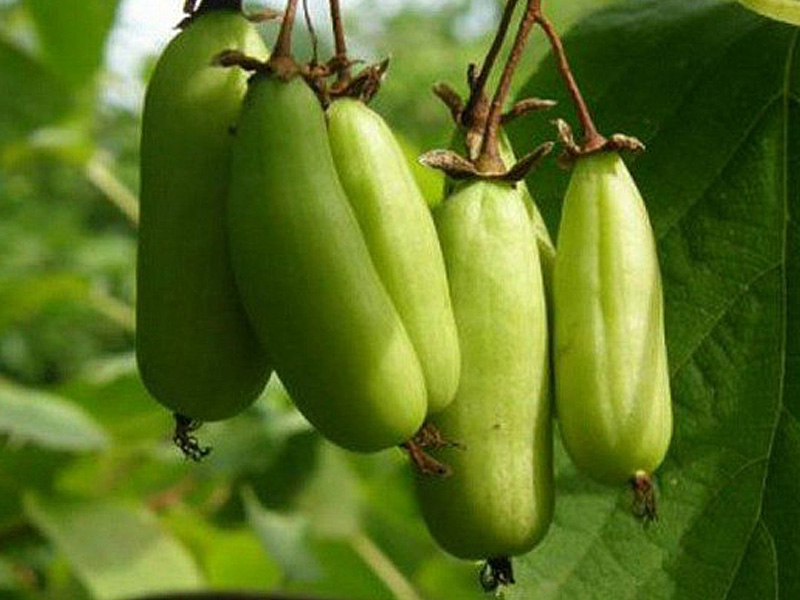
<point x="343" y="73"/>
<point x="478" y="86"/>
<point x="592" y="139"/>
<point x="490" y="155"/>
<point x="283" y="45"/>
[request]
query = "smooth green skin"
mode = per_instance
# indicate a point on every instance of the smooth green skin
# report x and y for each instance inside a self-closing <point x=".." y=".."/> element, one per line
<point x="547" y="250"/>
<point x="307" y="278"/>
<point x="196" y="351"/>
<point x="612" y="380"/>
<point x="401" y="237"/>
<point x="499" y="499"/>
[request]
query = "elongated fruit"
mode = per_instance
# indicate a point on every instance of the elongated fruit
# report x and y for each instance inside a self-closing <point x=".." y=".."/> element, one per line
<point x="612" y="381"/>
<point x="498" y="502"/>
<point x="196" y="351"/>
<point x="307" y="278"/>
<point x="401" y="237"/>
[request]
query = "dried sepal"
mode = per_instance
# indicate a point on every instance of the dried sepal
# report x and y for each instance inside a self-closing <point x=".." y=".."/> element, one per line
<point x="523" y="166"/>
<point x="572" y="150"/>
<point x="525" y="106"/>
<point x="620" y="141"/>
<point x="367" y="82"/>
<point x="454" y="165"/>
<point x="451" y="99"/>
<point x="264" y="15"/>
<point x="457" y="167"/>
<point x="237" y="58"/>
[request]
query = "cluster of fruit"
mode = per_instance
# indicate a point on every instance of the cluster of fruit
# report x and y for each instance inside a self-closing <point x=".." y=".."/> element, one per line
<point x="281" y="232"/>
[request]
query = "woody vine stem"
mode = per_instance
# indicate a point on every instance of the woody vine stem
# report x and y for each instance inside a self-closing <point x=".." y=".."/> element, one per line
<point x="283" y="45"/>
<point x="477" y="96"/>
<point x="474" y="114"/>
<point x="489" y="152"/>
<point x="343" y="72"/>
<point x="592" y="140"/>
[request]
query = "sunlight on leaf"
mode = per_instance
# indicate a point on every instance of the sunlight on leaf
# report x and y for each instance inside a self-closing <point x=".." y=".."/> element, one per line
<point x="47" y="420"/>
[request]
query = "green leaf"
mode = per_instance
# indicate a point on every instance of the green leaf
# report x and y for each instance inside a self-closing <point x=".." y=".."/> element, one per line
<point x="21" y="298"/>
<point x="112" y="391"/>
<point x="47" y="420"/>
<point x="117" y="550"/>
<point x="30" y="96"/>
<point x="787" y="11"/>
<point x="232" y="558"/>
<point x="712" y="89"/>
<point x="72" y="35"/>
<point x="285" y="537"/>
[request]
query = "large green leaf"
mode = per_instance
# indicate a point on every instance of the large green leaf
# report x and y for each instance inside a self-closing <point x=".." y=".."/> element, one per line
<point x="72" y="34"/>
<point x="117" y="550"/>
<point x="712" y="89"/>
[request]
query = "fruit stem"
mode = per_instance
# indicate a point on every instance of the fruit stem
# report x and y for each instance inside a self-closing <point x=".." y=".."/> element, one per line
<point x="312" y="33"/>
<point x="343" y="73"/>
<point x="490" y="154"/>
<point x="477" y="97"/>
<point x="283" y="45"/>
<point x="592" y="140"/>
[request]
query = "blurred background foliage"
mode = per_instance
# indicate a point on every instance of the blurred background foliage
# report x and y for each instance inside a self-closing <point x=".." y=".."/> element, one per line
<point x="95" y="502"/>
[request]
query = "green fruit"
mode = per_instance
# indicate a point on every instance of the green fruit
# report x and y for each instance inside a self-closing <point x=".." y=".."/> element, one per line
<point x="401" y="238"/>
<point x="196" y="351"/>
<point x="307" y="278"/>
<point x="612" y="381"/>
<point x="547" y="250"/>
<point x="499" y="499"/>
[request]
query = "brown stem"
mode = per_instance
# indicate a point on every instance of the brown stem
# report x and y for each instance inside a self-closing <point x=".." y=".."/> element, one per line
<point x="311" y="33"/>
<point x="490" y="154"/>
<point x="477" y="95"/>
<point x="592" y="139"/>
<point x="343" y="74"/>
<point x="283" y="45"/>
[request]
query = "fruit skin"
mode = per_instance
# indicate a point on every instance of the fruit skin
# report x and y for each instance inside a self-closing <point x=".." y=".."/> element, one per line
<point x="547" y="250"/>
<point x="401" y="237"/>
<point x="307" y="279"/>
<point x="499" y="499"/>
<point x="196" y="351"/>
<point x="612" y="380"/>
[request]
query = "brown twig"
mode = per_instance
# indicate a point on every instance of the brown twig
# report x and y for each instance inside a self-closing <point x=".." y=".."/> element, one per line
<point x="283" y="45"/>
<point x="340" y="41"/>
<point x="311" y="33"/>
<point x="592" y="140"/>
<point x="489" y="158"/>
<point x="525" y="106"/>
<point x="477" y="94"/>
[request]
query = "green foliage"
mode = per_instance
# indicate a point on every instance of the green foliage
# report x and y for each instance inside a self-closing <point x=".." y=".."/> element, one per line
<point x="96" y="503"/>
<point x="720" y="122"/>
